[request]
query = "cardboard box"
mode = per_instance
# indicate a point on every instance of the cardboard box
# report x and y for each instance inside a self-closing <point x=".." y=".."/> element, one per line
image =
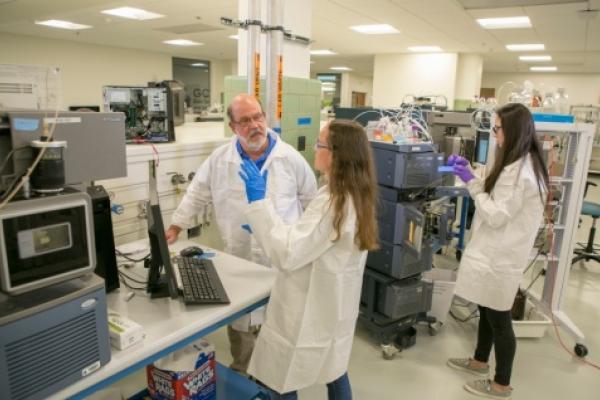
<point x="444" y="282"/>
<point x="199" y="382"/>
<point x="123" y="332"/>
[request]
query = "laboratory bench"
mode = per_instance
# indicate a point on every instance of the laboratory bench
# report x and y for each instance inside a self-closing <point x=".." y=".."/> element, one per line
<point x="170" y="325"/>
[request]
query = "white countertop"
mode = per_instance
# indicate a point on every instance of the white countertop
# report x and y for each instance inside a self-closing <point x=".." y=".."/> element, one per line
<point x="168" y="322"/>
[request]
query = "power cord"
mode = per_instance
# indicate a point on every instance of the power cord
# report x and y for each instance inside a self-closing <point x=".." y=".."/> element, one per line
<point x="48" y="133"/>
<point x="128" y="258"/>
<point x="553" y="317"/>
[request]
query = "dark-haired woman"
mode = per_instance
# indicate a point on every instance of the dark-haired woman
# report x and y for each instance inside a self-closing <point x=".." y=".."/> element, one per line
<point x="509" y="206"/>
<point x="309" y="328"/>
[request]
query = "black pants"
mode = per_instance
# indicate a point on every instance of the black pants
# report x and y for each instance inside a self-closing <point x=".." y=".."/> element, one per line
<point x="495" y="328"/>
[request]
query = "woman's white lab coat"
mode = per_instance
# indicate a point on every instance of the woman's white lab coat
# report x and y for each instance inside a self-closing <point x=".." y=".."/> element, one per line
<point x="308" y="332"/>
<point x="217" y="183"/>
<point x="504" y="230"/>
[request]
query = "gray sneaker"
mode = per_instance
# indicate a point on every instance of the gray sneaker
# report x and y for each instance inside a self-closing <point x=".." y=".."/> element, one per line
<point x="483" y="388"/>
<point x="463" y="364"/>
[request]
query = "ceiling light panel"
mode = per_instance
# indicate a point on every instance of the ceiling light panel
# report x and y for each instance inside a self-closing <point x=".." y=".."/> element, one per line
<point x="425" y="49"/>
<point x="57" y="23"/>
<point x="323" y="52"/>
<point x="535" y="58"/>
<point x="484" y="4"/>
<point x="182" y="42"/>
<point x="526" y="47"/>
<point x="505" y="23"/>
<point x="543" y="69"/>
<point x="340" y="68"/>
<point x="380" y="29"/>
<point x="132" y="13"/>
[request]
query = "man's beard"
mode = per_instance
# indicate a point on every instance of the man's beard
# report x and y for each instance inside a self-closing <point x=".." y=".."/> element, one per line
<point x="256" y="144"/>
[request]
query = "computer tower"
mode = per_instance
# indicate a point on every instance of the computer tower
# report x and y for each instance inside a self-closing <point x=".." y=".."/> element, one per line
<point x="106" y="261"/>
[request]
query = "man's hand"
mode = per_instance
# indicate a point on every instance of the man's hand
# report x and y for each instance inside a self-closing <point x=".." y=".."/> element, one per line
<point x="172" y="234"/>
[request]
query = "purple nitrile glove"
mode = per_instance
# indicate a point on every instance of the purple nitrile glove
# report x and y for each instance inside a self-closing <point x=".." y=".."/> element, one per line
<point x="463" y="172"/>
<point x="455" y="159"/>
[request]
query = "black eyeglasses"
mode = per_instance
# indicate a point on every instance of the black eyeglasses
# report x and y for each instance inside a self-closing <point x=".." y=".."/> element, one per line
<point x="496" y="128"/>
<point x="319" y="145"/>
<point x="246" y="121"/>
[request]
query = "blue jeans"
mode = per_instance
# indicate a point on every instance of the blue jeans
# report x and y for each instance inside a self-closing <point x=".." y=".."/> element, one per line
<point x="336" y="390"/>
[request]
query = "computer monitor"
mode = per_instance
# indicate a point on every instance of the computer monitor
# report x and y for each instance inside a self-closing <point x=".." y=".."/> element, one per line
<point x="159" y="284"/>
<point x="482" y="142"/>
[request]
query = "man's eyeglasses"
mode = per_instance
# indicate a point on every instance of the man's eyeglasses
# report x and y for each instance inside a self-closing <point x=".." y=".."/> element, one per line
<point x="319" y="145"/>
<point x="245" y="121"/>
<point x="496" y="128"/>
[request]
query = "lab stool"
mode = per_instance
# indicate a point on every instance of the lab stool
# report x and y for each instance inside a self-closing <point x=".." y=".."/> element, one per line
<point x="589" y="251"/>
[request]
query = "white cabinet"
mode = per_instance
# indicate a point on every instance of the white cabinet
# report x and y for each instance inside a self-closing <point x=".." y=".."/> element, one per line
<point x="195" y="142"/>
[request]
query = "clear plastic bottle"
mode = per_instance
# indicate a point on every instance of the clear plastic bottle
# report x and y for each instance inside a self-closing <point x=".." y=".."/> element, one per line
<point x="561" y="101"/>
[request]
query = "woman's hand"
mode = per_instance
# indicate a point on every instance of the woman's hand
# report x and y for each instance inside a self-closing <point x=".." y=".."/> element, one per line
<point x="256" y="183"/>
<point x="463" y="172"/>
<point x="455" y="159"/>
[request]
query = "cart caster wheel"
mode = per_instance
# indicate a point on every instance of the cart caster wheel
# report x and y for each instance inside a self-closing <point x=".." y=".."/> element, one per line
<point x="434" y="328"/>
<point x="458" y="255"/>
<point x="389" y="351"/>
<point x="581" y="350"/>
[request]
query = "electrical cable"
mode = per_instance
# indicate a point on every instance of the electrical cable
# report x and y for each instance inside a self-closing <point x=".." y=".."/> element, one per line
<point x="123" y="280"/>
<point x="10" y="187"/>
<point x="132" y="279"/>
<point x="126" y="256"/>
<point x="9" y="155"/>
<point x="553" y="277"/>
<point x="25" y="178"/>
<point x="473" y="315"/>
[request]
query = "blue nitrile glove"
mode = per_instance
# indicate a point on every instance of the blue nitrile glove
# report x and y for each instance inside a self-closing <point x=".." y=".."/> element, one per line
<point x="256" y="183"/>
<point x="455" y="159"/>
<point x="246" y="227"/>
<point x="463" y="172"/>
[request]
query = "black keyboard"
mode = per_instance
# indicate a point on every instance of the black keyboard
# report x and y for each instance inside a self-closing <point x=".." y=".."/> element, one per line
<point x="201" y="283"/>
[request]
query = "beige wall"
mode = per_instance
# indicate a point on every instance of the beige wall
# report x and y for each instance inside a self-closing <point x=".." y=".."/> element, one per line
<point x="581" y="88"/>
<point x="85" y="68"/>
<point x="218" y="71"/>
<point x="352" y="82"/>
<point x="398" y="75"/>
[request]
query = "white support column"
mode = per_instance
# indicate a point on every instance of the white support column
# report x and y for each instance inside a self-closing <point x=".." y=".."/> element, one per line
<point x="469" y="71"/>
<point x="253" y="47"/>
<point x="274" y="71"/>
<point x="297" y="19"/>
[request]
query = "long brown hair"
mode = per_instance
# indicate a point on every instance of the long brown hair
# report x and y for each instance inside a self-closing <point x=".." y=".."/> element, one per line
<point x="352" y="175"/>
<point x="519" y="140"/>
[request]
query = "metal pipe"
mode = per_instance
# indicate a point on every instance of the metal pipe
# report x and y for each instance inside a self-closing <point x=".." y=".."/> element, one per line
<point x="274" y="73"/>
<point x="253" y="48"/>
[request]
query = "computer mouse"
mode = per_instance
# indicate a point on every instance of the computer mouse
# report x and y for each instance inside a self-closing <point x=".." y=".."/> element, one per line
<point x="191" y="251"/>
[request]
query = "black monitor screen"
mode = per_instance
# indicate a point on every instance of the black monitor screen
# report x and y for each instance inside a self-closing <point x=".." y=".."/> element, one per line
<point x="159" y="285"/>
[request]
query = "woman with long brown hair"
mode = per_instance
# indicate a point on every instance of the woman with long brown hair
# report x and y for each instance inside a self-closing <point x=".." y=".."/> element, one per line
<point x="309" y="328"/>
<point x="509" y="205"/>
